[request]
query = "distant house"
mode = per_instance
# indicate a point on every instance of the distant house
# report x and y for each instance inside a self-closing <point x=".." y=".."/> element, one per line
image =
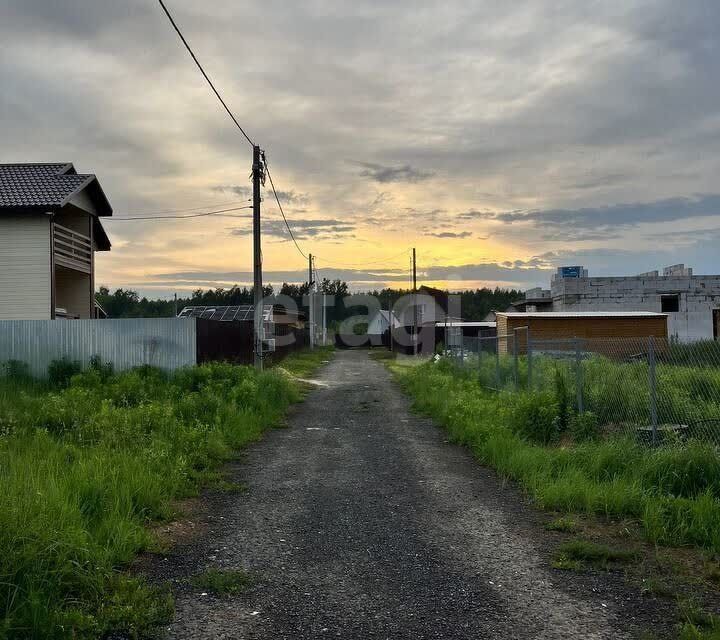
<point x="381" y="322"/>
<point x="50" y="230"/>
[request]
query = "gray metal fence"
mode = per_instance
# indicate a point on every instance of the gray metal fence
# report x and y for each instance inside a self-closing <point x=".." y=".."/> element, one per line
<point x="655" y="388"/>
<point x="168" y="343"/>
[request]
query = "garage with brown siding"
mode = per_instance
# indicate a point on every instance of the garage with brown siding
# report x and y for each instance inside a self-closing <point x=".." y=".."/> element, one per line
<point x="588" y="325"/>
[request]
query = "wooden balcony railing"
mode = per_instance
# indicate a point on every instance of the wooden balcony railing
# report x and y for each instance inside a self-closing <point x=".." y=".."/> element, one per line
<point x="72" y="249"/>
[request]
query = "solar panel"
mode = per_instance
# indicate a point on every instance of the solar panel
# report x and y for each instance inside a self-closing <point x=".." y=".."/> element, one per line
<point x="240" y="313"/>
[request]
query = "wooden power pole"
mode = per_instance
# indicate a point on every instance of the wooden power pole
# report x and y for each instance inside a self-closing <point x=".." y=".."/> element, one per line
<point x="415" y="313"/>
<point x="258" y="318"/>
<point x="311" y="302"/>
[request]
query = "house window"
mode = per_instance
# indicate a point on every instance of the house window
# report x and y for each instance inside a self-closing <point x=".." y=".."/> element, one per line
<point x="670" y="304"/>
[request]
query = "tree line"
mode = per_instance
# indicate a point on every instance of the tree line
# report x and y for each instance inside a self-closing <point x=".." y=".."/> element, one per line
<point x="126" y="303"/>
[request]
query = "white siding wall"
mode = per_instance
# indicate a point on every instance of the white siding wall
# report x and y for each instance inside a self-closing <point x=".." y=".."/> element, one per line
<point x="25" y="267"/>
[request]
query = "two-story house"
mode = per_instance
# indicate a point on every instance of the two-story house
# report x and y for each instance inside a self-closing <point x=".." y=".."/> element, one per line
<point x="50" y="229"/>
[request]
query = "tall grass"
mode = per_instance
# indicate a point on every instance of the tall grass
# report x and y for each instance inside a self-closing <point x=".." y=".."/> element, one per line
<point x="618" y="392"/>
<point x="87" y="461"/>
<point x="673" y="491"/>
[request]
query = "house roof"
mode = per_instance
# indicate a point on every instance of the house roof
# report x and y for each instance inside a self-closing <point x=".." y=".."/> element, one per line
<point x="47" y="186"/>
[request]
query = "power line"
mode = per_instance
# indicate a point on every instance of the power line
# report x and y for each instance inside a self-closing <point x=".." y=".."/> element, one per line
<point x="282" y="213"/>
<point x="199" y="66"/>
<point x="203" y="206"/>
<point x="193" y="215"/>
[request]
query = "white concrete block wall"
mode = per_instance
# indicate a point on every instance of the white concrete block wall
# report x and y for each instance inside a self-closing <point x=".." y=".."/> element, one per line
<point x="699" y="295"/>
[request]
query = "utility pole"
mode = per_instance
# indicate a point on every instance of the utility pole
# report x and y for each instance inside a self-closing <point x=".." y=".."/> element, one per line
<point x="311" y="302"/>
<point x="324" y="321"/>
<point x="415" y="313"/>
<point x="258" y="319"/>
<point x="176" y="309"/>
<point x="391" y="323"/>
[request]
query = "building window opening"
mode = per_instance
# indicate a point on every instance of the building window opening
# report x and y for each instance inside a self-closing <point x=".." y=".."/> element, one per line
<point x="670" y="304"/>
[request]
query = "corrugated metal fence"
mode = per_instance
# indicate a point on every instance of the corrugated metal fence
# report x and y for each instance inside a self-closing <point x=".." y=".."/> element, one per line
<point x="169" y="343"/>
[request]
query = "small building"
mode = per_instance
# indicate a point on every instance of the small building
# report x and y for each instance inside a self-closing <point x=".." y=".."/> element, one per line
<point x="691" y="302"/>
<point x="381" y="322"/>
<point x="561" y="326"/>
<point x="50" y="230"/>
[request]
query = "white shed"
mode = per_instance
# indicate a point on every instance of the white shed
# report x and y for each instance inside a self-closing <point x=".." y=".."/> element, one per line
<point x="380" y="322"/>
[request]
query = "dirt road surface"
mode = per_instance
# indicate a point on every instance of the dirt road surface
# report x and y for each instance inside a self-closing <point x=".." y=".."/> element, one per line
<point x="362" y="521"/>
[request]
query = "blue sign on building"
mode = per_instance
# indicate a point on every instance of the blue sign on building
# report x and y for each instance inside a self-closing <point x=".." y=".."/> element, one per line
<point x="571" y="272"/>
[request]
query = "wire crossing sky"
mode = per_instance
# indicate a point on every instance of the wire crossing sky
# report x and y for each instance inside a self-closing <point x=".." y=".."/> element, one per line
<point x="500" y="139"/>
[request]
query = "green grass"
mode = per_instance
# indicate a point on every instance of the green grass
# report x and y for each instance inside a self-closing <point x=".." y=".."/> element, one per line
<point x="697" y="624"/>
<point x="617" y="392"/>
<point x="222" y="582"/>
<point x="578" y="553"/>
<point x="302" y="364"/>
<point x="564" y="524"/>
<point x="87" y="462"/>
<point x="673" y="491"/>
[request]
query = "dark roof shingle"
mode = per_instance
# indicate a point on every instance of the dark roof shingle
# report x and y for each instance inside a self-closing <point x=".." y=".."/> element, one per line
<point x="39" y="185"/>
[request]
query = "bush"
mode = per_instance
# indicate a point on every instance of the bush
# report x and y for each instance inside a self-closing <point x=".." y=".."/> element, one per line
<point x="104" y="370"/>
<point x="536" y="418"/>
<point x="61" y="371"/>
<point x="584" y="427"/>
<point x="17" y="370"/>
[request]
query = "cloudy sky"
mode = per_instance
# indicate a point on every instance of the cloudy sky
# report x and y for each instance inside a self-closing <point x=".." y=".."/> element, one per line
<point x="501" y="139"/>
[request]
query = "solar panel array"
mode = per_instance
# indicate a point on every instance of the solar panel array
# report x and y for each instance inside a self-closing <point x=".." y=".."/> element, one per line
<point x="239" y="313"/>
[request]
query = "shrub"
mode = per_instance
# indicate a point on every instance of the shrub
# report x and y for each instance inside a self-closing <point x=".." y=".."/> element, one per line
<point x="536" y="418"/>
<point x="584" y="426"/>
<point x="104" y="370"/>
<point x="17" y="370"/>
<point x="61" y="371"/>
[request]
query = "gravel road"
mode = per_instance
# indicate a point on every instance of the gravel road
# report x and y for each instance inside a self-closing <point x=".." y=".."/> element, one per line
<point x="361" y="521"/>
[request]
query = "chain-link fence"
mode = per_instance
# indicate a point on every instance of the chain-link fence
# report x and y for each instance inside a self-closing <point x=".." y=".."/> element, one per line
<point x="653" y="388"/>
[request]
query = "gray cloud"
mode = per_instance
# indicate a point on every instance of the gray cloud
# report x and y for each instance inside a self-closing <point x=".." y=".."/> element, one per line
<point x="553" y="114"/>
<point x="450" y="234"/>
<point x="238" y="190"/>
<point x="383" y="173"/>
<point x="522" y="272"/>
<point x="302" y="228"/>
<point x="618" y="216"/>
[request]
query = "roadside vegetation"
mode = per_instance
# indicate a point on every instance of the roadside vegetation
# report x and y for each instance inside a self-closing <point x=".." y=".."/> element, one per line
<point x="669" y="495"/>
<point x="673" y="490"/>
<point x="89" y="459"/>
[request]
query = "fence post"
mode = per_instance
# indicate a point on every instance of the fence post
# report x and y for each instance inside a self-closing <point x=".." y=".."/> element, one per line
<point x="653" y="388"/>
<point x="516" y="361"/>
<point x="579" y="377"/>
<point x="529" y="361"/>
<point x="462" y="349"/>
<point x="497" y="362"/>
<point x="479" y="352"/>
